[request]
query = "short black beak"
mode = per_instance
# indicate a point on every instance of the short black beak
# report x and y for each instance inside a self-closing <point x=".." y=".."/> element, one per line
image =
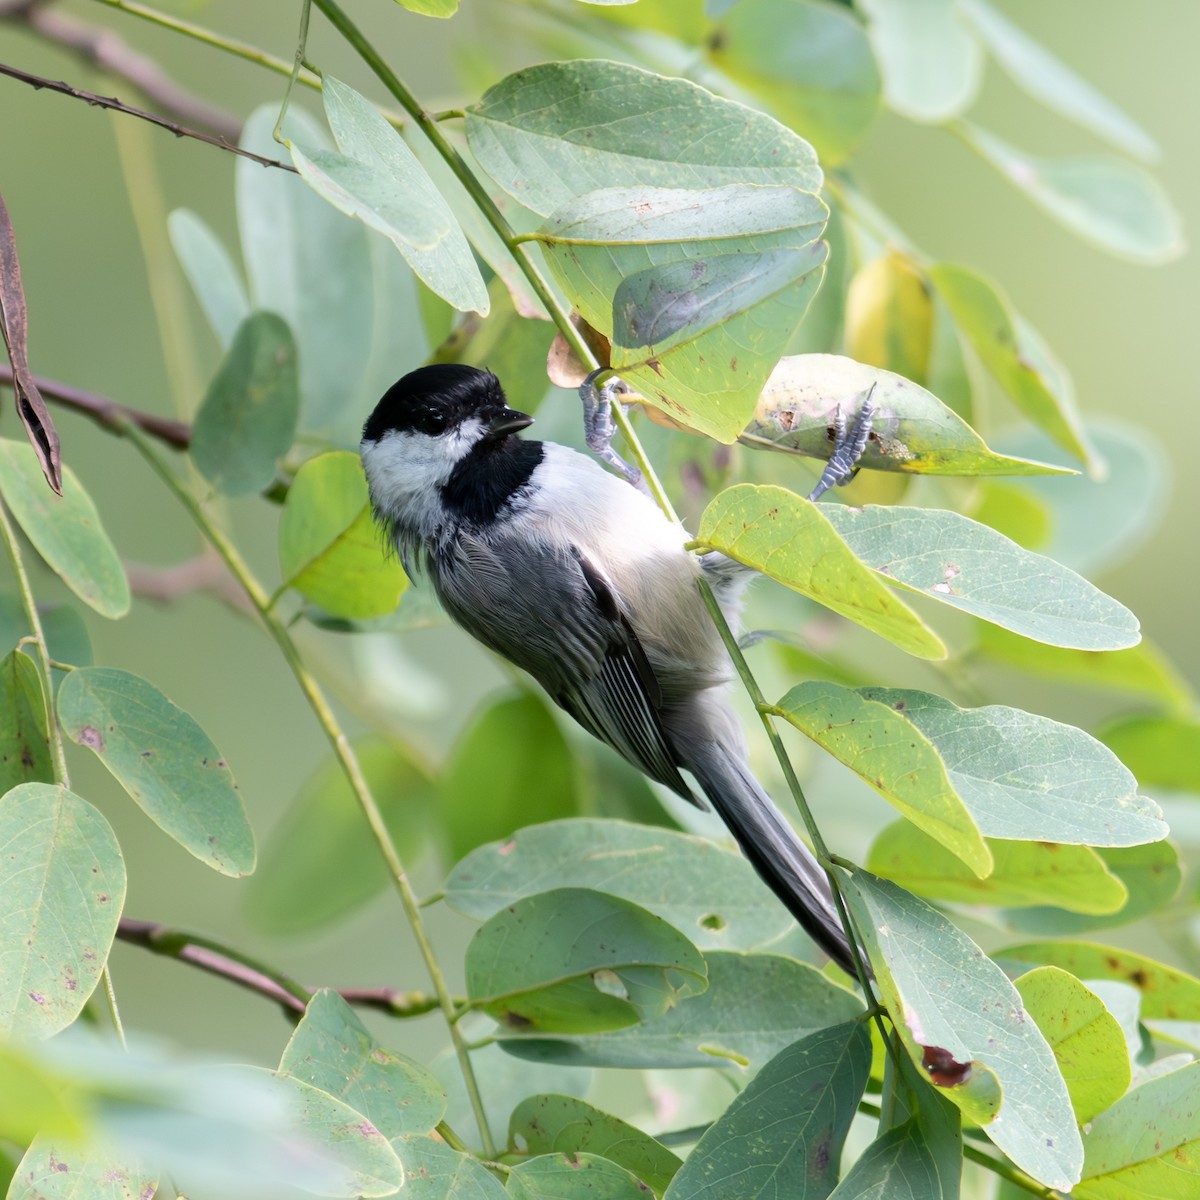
<point x="506" y="420"/>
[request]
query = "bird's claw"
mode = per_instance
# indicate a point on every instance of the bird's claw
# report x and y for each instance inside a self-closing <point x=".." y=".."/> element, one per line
<point x="599" y="428"/>
<point x="848" y="447"/>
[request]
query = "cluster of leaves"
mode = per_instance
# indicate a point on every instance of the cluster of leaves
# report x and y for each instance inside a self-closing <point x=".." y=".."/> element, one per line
<point x="689" y="226"/>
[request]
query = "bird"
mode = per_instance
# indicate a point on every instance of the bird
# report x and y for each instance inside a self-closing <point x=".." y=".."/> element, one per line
<point x="578" y="578"/>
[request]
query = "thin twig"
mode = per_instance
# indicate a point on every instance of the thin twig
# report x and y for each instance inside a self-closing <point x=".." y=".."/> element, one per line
<point x="109" y="52"/>
<point x="111" y="102"/>
<point x="108" y="413"/>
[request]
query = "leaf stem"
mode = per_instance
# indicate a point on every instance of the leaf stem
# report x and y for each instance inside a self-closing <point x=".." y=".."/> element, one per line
<point x="341" y="748"/>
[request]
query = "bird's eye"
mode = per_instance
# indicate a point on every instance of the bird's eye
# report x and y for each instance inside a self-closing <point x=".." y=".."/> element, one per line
<point x="431" y="420"/>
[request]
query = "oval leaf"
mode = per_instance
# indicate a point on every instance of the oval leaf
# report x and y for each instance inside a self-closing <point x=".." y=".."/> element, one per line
<point x="24" y="746"/>
<point x="211" y="272"/>
<point x="247" y="419"/>
<point x="62" y="885"/>
<point x="65" y="530"/>
<point x="64" y="1170"/>
<point x="789" y="539"/>
<point x="164" y="760"/>
<point x="573" y="960"/>
<point x="573" y="1177"/>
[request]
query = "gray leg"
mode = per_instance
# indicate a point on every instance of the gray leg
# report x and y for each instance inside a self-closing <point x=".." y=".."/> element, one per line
<point x="599" y="428"/>
<point x="848" y="447"/>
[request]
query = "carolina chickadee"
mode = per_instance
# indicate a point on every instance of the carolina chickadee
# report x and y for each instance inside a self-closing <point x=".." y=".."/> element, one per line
<point x="577" y="578"/>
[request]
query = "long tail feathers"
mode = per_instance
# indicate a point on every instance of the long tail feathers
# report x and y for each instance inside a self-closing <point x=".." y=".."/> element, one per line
<point x="782" y="860"/>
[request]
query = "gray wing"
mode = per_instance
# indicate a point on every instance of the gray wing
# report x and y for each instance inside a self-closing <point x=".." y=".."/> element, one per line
<point x="555" y="615"/>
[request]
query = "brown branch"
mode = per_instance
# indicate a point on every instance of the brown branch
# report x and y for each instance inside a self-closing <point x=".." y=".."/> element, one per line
<point x="227" y="963"/>
<point x="110" y="53"/>
<point x="106" y="412"/>
<point x="111" y="102"/>
<point x="205" y="572"/>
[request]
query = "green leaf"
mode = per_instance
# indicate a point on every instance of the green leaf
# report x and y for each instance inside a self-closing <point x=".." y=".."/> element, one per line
<point x="810" y="64"/>
<point x="1148" y="1143"/>
<point x="62" y="1170"/>
<point x="1086" y="1038"/>
<point x="431" y="8"/>
<point x="551" y="133"/>
<point x="435" y="1172"/>
<point x="960" y="562"/>
<point x="24" y="745"/>
<point x="1015" y="356"/>
<point x="783" y="1134"/>
<point x="1159" y="750"/>
<point x="578" y="961"/>
<point x="512" y="767"/>
<point x="1025" y="777"/>
<point x="573" y="1177"/>
<point x="790" y="540"/>
<point x="210" y="271"/>
<point x="897" y="1163"/>
<point x="324" y="835"/>
<point x="547" y="1124"/>
<point x="34" y="1098"/>
<point x="913" y="431"/>
<point x="62" y="885"/>
<point x="332" y="1050"/>
<point x="65" y="530"/>
<point x="1144" y="670"/>
<point x="329" y="546"/>
<point x="890" y="317"/>
<point x="755" y="1005"/>
<point x="958" y="1005"/>
<point x="1052" y="83"/>
<point x="1024" y="873"/>
<point x="247" y="419"/>
<point x="164" y="760"/>
<point x="66" y="634"/>
<point x="931" y="64"/>
<point x="881" y="746"/>
<point x="1167" y="994"/>
<point x="377" y="179"/>
<point x="711" y="895"/>
<point x="1108" y="201"/>
<point x="1151" y="875"/>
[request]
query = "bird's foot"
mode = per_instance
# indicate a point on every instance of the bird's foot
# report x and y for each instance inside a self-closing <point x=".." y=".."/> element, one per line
<point x="599" y="428"/>
<point x="848" y="447"/>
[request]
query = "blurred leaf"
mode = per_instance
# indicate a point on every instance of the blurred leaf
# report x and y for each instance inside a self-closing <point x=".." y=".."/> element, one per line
<point x="577" y="961"/>
<point x="552" y="133"/>
<point x="1026" y="777"/>
<point x="24" y="745"/>
<point x="889" y="317"/>
<point x="1159" y="750"/>
<point x="790" y="540"/>
<point x="431" y="8"/>
<point x="709" y="894"/>
<point x="1151" y="874"/>
<point x="881" y="746"/>
<point x="1108" y="201"/>
<point x="547" y="1124"/>
<point x="755" y="1005"/>
<point x="65" y="530"/>
<point x="1025" y="873"/>
<point x="573" y="1177"/>
<point x="376" y="178"/>
<point x="36" y="1099"/>
<point x="1086" y="1038"/>
<point x="1167" y="993"/>
<point x="949" y="557"/>
<point x="164" y="760"/>
<point x="324" y="835"/>
<point x="1015" y="356"/>
<point x="247" y="419"/>
<point x="931" y="63"/>
<point x="1052" y="83"/>
<point x="1143" y="669"/>
<point x="1148" y="1143"/>
<point x="435" y="1172"/>
<point x="511" y="768"/>
<point x="897" y="1163"/>
<point x="911" y="431"/>
<point x="957" y="1005"/>
<point x="211" y="272"/>
<point x="329" y="546"/>
<point x="62" y="885"/>
<point x="810" y="64"/>
<point x="783" y="1134"/>
<point x="1010" y="509"/>
<point x="66" y="634"/>
<point x="332" y="1050"/>
<point x="52" y="1170"/>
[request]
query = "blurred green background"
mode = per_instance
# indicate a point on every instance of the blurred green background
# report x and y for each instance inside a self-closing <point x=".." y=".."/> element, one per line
<point x="1126" y="332"/>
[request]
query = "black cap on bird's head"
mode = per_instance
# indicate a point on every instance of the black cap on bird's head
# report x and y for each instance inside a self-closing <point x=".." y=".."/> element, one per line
<point x="434" y="399"/>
